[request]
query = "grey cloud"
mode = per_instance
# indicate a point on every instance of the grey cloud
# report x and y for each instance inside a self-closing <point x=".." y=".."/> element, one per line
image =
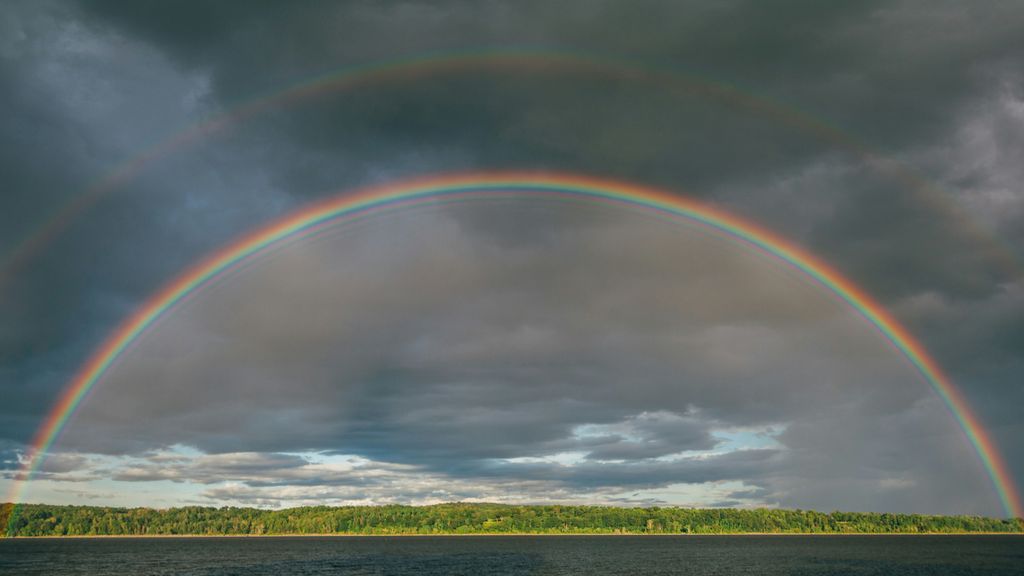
<point x="746" y="465"/>
<point x="649" y="435"/>
<point x="61" y="467"/>
<point x="449" y="339"/>
<point x="59" y="463"/>
<point x="484" y="342"/>
<point x="483" y="361"/>
<point x="209" y="468"/>
<point x="263" y="481"/>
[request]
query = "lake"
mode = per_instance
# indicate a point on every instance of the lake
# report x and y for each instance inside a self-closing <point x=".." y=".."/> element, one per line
<point x="514" y="555"/>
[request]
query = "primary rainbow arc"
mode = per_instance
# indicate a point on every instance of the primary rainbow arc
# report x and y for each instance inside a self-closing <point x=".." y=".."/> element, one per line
<point x="467" y="186"/>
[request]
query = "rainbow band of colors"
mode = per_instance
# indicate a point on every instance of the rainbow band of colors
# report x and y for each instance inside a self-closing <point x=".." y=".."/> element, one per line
<point x="490" y="185"/>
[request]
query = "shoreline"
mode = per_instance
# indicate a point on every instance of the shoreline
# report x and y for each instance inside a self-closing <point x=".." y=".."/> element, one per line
<point x="491" y="535"/>
<point x="475" y="520"/>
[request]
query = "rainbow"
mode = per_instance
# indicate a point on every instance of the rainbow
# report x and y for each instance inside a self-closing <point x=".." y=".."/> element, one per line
<point x="436" y="64"/>
<point x="487" y="185"/>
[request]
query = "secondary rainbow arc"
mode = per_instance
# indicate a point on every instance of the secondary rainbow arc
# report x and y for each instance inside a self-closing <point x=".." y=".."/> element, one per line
<point x="465" y="186"/>
<point x="436" y="63"/>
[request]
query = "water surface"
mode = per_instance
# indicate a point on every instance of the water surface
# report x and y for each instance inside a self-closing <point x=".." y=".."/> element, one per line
<point x="515" y="555"/>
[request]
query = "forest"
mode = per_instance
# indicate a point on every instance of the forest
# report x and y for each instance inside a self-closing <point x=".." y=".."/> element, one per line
<point x="464" y="518"/>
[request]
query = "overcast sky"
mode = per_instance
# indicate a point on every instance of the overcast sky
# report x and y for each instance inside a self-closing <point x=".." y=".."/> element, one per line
<point x="523" y="350"/>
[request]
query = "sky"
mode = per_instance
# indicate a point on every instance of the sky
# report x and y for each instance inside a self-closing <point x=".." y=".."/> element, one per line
<point x="524" y="350"/>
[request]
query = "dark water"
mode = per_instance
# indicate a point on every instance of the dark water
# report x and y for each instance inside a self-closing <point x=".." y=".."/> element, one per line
<point x="650" y="555"/>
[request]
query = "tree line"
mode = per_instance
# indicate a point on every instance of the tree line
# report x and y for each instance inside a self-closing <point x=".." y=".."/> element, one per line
<point x="463" y="518"/>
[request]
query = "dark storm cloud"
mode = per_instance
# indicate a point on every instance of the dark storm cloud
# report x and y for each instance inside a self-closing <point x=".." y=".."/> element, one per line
<point x="867" y="60"/>
<point x="81" y="101"/>
<point x="933" y="86"/>
<point x="9" y="456"/>
<point x="852" y="65"/>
